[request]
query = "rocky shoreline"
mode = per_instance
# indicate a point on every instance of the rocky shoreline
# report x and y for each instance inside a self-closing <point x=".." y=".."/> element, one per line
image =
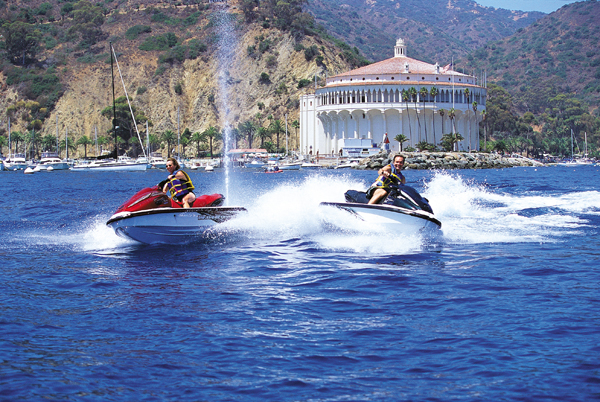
<point x="447" y="160"/>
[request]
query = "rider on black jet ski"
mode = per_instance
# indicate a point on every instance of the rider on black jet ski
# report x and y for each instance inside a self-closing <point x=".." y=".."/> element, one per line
<point x="389" y="175"/>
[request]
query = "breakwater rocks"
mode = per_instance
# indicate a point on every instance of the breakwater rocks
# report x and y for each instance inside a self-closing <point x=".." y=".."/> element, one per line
<point x="447" y="160"/>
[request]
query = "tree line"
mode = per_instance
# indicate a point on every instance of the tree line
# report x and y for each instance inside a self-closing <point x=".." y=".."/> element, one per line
<point x="502" y="129"/>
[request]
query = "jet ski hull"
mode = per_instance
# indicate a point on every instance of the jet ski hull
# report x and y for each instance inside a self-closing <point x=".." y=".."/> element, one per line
<point x="152" y="217"/>
<point x="402" y="211"/>
<point x="170" y="225"/>
<point x="389" y="217"/>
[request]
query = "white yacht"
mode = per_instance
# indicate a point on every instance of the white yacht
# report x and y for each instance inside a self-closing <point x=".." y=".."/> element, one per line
<point x="348" y="164"/>
<point x="15" y="162"/>
<point x="122" y="164"/>
<point x="51" y="161"/>
<point x="157" y="161"/>
<point x="144" y="159"/>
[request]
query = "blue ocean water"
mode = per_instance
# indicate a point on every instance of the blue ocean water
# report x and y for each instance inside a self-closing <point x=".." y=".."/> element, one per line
<point x="291" y="302"/>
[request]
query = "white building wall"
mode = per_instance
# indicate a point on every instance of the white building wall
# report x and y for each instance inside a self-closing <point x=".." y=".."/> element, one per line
<point x="324" y="127"/>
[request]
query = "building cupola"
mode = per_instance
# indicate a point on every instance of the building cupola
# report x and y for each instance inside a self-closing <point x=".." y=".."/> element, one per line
<point x="400" y="48"/>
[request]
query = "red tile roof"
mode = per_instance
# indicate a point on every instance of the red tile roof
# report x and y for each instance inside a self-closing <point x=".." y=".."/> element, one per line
<point x="395" y="65"/>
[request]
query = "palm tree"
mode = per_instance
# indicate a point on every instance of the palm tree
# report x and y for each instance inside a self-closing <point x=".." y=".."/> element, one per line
<point x="450" y="140"/>
<point x="456" y="138"/>
<point x="484" y="119"/>
<point x="213" y="134"/>
<point x="34" y="141"/>
<point x="263" y="134"/>
<point x="434" y="93"/>
<point x="401" y="138"/>
<point x="258" y="116"/>
<point x="154" y="140"/>
<point x="423" y="94"/>
<point x="412" y="91"/>
<point x="48" y="142"/>
<point x="198" y="138"/>
<point x="85" y="141"/>
<point x="296" y="125"/>
<point x="184" y="141"/>
<point x="248" y="130"/>
<point x="102" y="141"/>
<point x="71" y="144"/>
<point x="405" y="99"/>
<point x="451" y="115"/>
<point x="442" y="113"/>
<point x="16" y="137"/>
<point x="474" y="106"/>
<point x="169" y="137"/>
<point x="235" y="135"/>
<point x="276" y="127"/>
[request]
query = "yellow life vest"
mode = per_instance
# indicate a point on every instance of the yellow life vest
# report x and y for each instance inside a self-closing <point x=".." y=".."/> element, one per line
<point x="178" y="188"/>
<point x="395" y="178"/>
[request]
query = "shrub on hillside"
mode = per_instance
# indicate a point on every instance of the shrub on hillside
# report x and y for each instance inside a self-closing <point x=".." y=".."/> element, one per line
<point x="265" y="78"/>
<point x="304" y="83"/>
<point x="159" y="42"/>
<point x="136" y="30"/>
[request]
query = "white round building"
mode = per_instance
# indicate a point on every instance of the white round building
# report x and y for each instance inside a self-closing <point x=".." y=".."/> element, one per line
<point x="354" y="111"/>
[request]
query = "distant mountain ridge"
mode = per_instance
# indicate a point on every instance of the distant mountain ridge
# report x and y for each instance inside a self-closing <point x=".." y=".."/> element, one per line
<point x="169" y="55"/>
<point x="435" y="30"/>
<point x="558" y="53"/>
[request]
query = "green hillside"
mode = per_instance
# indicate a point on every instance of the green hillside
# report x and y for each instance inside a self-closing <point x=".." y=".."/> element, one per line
<point x="54" y="57"/>
<point x="560" y="53"/>
<point x="435" y="30"/>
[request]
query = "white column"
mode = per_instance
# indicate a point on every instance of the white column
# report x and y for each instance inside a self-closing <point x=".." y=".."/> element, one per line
<point x="337" y="132"/>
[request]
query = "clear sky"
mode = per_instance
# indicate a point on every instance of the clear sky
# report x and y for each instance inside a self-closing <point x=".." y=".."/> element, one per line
<point x="546" y="6"/>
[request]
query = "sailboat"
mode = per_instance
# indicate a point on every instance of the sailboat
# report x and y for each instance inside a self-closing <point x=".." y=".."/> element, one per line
<point x="123" y="162"/>
<point x="577" y="161"/>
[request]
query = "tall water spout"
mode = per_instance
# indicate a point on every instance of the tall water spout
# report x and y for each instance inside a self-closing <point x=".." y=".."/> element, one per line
<point x="227" y="41"/>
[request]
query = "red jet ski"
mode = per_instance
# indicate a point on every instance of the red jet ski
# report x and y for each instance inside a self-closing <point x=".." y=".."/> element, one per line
<point x="150" y="216"/>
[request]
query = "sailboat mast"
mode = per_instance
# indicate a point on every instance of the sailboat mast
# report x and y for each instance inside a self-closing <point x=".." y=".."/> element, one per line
<point x="571" y="143"/>
<point x="113" y="96"/>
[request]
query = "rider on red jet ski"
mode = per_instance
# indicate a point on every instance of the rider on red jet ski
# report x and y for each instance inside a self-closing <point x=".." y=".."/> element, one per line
<point x="178" y="184"/>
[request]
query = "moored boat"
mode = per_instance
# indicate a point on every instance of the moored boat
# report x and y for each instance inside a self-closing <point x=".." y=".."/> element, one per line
<point x="51" y="161"/>
<point x="255" y="164"/>
<point x="310" y="165"/>
<point x="110" y="165"/>
<point x="145" y="160"/>
<point x="15" y="162"/>
<point x="157" y="161"/>
<point x="348" y="164"/>
<point x="290" y="166"/>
